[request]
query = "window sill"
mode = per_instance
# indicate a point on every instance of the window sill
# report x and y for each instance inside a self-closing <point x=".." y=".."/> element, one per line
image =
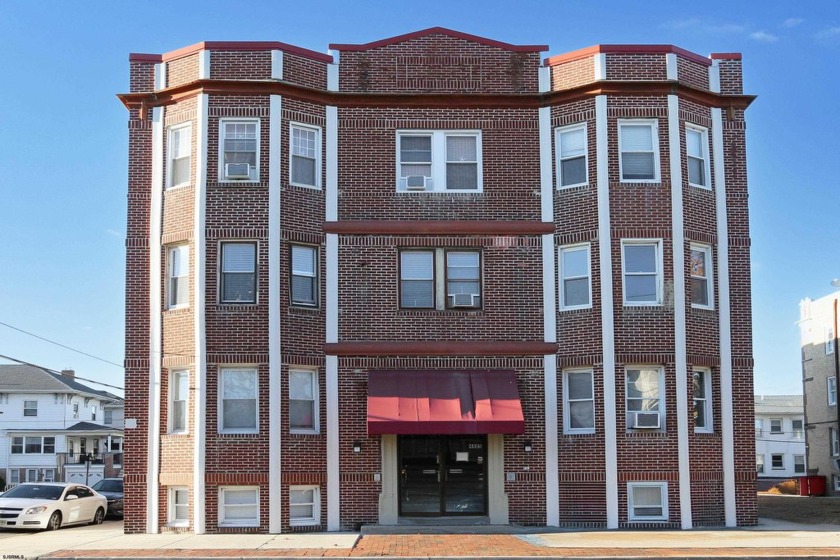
<point x="307" y="187"/>
<point x="700" y="187"/>
<point x="305" y="309"/>
<point x="304" y="523"/>
<point x="180" y="310"/>
<point x="574" y="310"/>
<point x="438" y="312"/>
<point x="305" y="433"/>
<point x="702" y="309"/>
<point x="178" y="187"/>
<point x="567" y="188"/>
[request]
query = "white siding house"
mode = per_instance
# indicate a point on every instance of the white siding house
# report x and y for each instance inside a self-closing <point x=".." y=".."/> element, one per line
<point x="779" y="437"/>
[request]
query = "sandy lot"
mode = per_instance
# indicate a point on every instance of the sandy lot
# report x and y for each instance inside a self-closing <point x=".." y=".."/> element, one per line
<point x="799" y="509"/>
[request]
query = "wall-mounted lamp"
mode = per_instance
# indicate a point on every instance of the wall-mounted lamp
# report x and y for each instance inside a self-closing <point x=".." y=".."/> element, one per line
<point x="357" y="446"/>
<point x="527" y="447"/>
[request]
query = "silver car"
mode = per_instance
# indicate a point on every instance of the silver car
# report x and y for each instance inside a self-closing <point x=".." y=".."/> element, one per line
<point x="50" y="505"/>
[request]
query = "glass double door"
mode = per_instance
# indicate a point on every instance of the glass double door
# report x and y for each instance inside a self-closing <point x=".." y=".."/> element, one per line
<point x="443" y="475"/>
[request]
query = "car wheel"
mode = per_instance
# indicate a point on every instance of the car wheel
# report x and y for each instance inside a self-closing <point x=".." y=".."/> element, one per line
<point x="55" y="521"/>
<point x="98" y="517"/>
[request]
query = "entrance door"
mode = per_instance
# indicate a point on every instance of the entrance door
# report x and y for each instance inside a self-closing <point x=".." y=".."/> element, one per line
<point x="443" y="475"/>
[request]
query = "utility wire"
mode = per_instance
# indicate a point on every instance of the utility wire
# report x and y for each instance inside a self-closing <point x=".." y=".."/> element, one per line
<point x="62" y="345"/>
<point x="58" y="372"/>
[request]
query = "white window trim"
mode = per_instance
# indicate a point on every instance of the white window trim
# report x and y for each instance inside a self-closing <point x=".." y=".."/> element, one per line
<point x="171" y="417"/>
<point x="759" y="461"/>
<point x="170" y="262"/>
<point x="628" y="424"/>
<point x="660" y="281"/>
<point x="833" y="444"/>
<point x="221" y="265"/>
<point x="253" y="522"/>
<point x="316" y="260"/>
<point x="567" y="429"/>
<point x="654" y="126"/>
<point x="169" y="156"/>
<point x="318" y="149"/>
<point x="781" y="426"/>
<point x="441" y="301"/>
<point x="254" y="173"/>
<point x="221" y="399"/>
<point x="796" y="463"/>
<point x="663" y="493"/>
<point x="831" y="391"/>
<point x="35" y="408"/>
<point x="710" y="289"/>
<point x="829" y="340"/>
<point x="708" y="408"/>
<point x="439" y="159"/>
<point x="558" y="132"/>
<point x="172" y="520"/>
<point x="316" y="507"/>
<point x="316" y="402"/>
<point x="774" y="467"/>
<point x="836" y="478"/>
<point x="561" y="284"/>
<point x="704" y="144"/>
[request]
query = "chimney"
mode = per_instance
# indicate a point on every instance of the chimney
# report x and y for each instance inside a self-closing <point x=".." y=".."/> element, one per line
<point x="68" y="373"/>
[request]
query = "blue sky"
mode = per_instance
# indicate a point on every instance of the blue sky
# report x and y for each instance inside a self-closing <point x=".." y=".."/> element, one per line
<point x="63" y="139"/>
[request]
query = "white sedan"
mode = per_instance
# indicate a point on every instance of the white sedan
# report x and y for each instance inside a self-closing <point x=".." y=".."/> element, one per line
<point x="50" y="505"/>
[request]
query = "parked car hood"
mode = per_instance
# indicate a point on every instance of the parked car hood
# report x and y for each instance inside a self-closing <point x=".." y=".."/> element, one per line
<point x="110" y="495"/>
<point x="24" y="502"/>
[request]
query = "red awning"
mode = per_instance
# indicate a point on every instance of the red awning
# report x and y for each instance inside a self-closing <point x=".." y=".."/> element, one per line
<point x="444" y="402"/>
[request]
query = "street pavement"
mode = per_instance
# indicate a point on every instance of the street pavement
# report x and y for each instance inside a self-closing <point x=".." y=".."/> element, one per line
<point x="771" y="539"/>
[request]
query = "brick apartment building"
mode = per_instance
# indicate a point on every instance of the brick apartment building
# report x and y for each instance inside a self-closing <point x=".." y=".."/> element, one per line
<point x="435" y="276"/>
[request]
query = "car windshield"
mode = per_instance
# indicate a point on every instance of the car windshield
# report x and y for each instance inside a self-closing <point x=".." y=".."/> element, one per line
<point x="35" y="491"/>
<point x="108" y="486"/>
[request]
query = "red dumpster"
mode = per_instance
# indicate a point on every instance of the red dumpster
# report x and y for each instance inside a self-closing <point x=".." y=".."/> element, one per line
<point x="812" y="485"/>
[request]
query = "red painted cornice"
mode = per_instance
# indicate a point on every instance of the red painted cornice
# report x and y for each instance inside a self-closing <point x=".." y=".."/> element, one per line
<point x="439" y="31"/>
<point x="440" y="348"/>
<point x="438" y="227"/>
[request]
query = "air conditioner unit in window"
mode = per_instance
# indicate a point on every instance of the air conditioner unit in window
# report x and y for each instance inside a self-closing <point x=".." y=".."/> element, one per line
<point x="237" y="171"/>
<point x="464" y="300"/>
<point x="416" y="183"/>
<point x="646" y="420"/>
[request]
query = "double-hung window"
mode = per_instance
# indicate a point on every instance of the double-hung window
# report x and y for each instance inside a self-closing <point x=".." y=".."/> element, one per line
<point x="179" y="160"/>
<point x="239" y="144"/>
<point x="33" y="445"/>
<point x="439" y="279"/>
<point x="30" y="408"/>
<point x="239" y="272"/>
<point x="759" y="463"/>
<point x="179" y="506"/>
<point x="575" y="282"/>
<point x="303" y="401"/>
<point x="776" y="426"/>
<point x="645" y="396"/>
<point x="578" y="402"/>
<point x="831" y="385"/>
<point x="777" y="461"/>
<point x="702" y="387"/>
<point x="638" y="145"/>
<point x="797" y="427"/>
<point x="829" y="340"/>
<point x="305" y="156"/>
<point x="304" y="287"/>
<point x="641" y="261"/>
<point x="107" y="417"/>
<point x="439" y="161"/>
<point x="570" y="144"/>
<point x="697" y="155"/>
<point x="238" y="408"/>
<point x="701" y="276"/>
<point x="799" y="464"/>
<point x="304" y="505"/>
<point x="239" y="506"/>
<point x="179" y="391"/>
<point x="834" y="441"/>
<point x="647" y="501"/>
<point x="178" y="273"/>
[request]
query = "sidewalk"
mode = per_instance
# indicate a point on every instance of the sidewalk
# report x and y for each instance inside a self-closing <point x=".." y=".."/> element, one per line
<point x="769" y="540"/>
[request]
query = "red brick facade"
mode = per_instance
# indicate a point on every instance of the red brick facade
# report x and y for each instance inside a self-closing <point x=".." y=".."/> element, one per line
<point x="434" y="80"/>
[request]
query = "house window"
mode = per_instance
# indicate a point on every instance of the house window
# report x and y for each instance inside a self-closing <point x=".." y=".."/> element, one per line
<point x="570" y="143"/>
<point x="303" y="401"/>
<point x="304" y="267"/>
<point x="305" y="156"/>
<point x="836" y="478"/>
<point x="438" y="279"/>
<point x="575" y="283"/>
<point x="33" y="445"/>
<point x="701" y="276"/>
<point x="829" y="340"/>
<point x="180" y="148"/>
<point x="777" y="461"/>
<point x="240" y="144"/>
<point x="578" y="402"/>
<point x="641" y="261"/>
<point x="179" y="390"/>
<point x="179" y="507"/>
<point x="178" y="272"/>
<point x="647" y="501"/>
<point x="798" y="428"/>
<point x="702" y="384"/>
<point x="17" y="445"/>
<point x="799" y="464"/>
<point x="759" y="463"/>
<point x="775" y="425"/>
<point x="75" y="410"/>
<point x="759" y="430"/>
<point x="239" y="272"/>
<point x="832" y="391"/>
<point x="439" y="161"/>
<point x="644" y="392"/>
<point x="697" y="155"/>
<point x="304" y="505"/>
<point x="835" y="443"/>
<point x="30" y="408"/>
<point x="238" y="401"/>
<point x="239" y="506"/>
<point x="638" y="145"/>
<point x="108" y="417"/>
<point x="49" y="444"/>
